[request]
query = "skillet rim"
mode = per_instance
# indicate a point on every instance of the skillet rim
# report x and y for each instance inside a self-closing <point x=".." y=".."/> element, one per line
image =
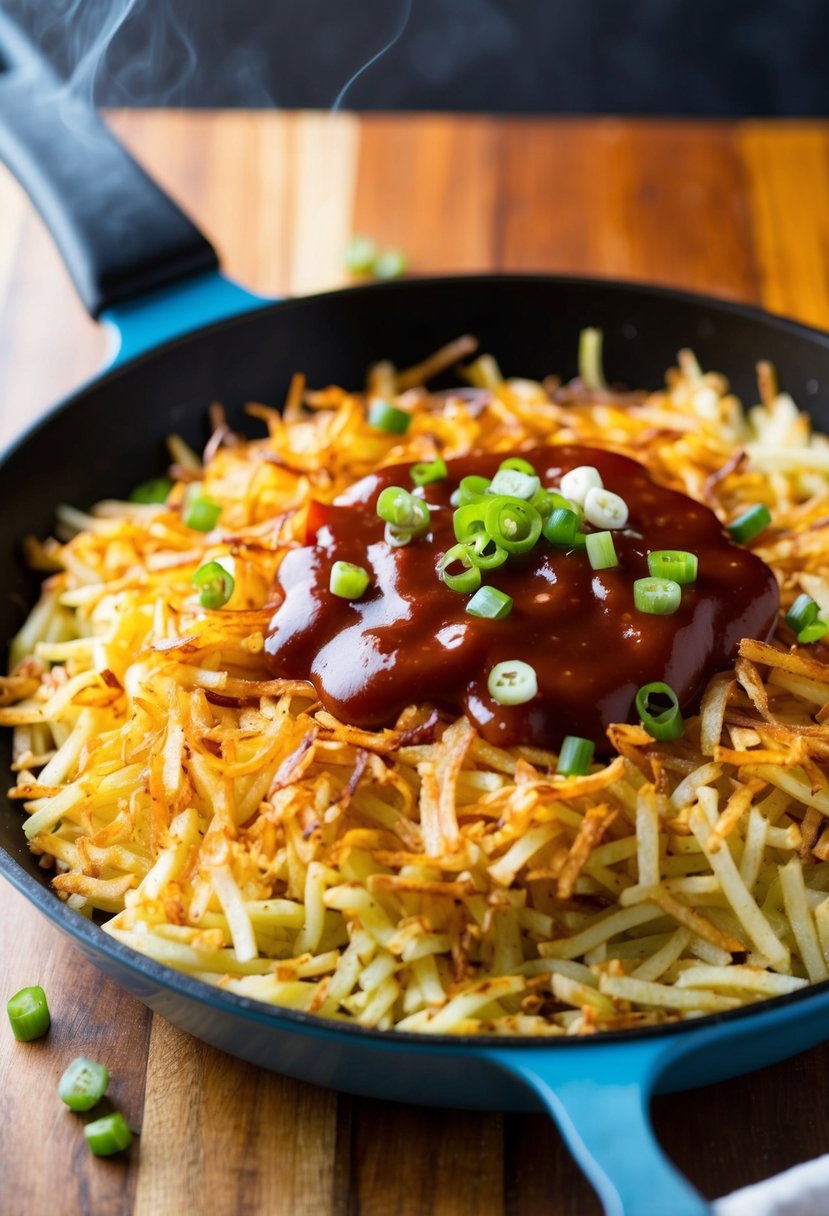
<point x="90" y="934"/>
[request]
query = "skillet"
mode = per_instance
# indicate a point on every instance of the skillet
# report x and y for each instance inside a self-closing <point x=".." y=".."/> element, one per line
<point x="183" y="336"/>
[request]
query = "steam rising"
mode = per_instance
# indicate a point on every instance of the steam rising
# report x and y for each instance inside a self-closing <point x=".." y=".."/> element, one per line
<point x="405" y="17"/>
<point x="143" y="52"/>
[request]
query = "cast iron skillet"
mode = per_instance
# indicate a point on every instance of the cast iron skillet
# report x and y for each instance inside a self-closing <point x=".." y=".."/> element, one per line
<point x="186" y="337"/>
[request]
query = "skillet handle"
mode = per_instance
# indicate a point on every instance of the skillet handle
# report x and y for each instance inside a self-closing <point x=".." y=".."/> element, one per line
<point x="599" y="1097"/>
<point x="118" y="234"/>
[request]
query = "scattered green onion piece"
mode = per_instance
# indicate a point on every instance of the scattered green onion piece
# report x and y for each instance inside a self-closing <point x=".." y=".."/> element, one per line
<point x="485" y="553"/>
<point x="601" y="551"/>
<point x="28" y="1014"/>
<point x="490" y="603"/>
<point x="469" y="579"/>
<point x="513" y="524"/>
<point x="577" y="483"/>
<point x="394" y="506"/>
<point x="657" y="596"/>
<point x="108" y="1135"/>
<point x="347" y="580"/>
<point x="545" y="502"/>
<point x="469" y="520"/>
<point x="518" y="465"/>
<point x="812" y="633"/>
<point x="360" y="255"/>
<point x="804" y="611"/>
<point x="754" y="521"/>
<point x="155" y="490"/>
<point x="661" y="724"/>
<point x="402" y="510"/>
<point x="604" y="509"/>
<point x="676" y="564"/>
<point x="200" y="513"/>
<point x="214" y="584"/>
<point x="575" y="757"/>
<point x="83" y="1084"/>
<point x="590" y="359"/>
<point x="426" y="472"/>
<point x="472" y="489"/>
<point x="390" y="264"/>
<point x="387" y="417"/>
<point x="561" y="527"/>
<point x="395" y="537"/>
<point x="514" y="484"/>
<point x="512" y="682"/>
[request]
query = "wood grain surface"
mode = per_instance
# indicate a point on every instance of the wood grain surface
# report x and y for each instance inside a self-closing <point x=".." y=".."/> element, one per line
<point x="737" y="210"/>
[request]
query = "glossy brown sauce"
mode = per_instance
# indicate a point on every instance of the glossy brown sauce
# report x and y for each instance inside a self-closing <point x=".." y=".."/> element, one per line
<point x="409" y="640"/>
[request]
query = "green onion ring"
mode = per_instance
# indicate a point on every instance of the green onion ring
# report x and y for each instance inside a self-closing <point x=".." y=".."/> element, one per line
<point x="513" y="524"/>
<point x="664" y="725"/>
<point x="469" y="579"/>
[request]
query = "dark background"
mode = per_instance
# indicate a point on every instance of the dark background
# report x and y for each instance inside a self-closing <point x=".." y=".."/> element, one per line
<point x="696" y="57"/>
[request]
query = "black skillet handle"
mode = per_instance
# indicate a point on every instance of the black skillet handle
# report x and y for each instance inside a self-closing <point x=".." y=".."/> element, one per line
<point x="118" y="234"/>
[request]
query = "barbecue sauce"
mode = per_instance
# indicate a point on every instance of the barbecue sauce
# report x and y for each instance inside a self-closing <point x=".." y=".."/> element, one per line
<point x="409" y="640"/>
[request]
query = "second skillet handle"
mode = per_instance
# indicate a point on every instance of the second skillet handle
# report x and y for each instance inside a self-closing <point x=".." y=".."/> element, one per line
<point x="599" y="1096"/>
<point x="118" y="234"/>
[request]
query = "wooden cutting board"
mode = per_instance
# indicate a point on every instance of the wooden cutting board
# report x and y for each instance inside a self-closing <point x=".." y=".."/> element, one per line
<point x="737" y="210"/>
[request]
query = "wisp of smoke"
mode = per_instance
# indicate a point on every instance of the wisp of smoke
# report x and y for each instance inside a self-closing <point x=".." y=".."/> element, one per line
<point x="405" y="17"/>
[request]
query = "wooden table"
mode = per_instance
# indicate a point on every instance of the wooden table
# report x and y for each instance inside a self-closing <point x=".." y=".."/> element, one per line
<point x="737" y="210"/>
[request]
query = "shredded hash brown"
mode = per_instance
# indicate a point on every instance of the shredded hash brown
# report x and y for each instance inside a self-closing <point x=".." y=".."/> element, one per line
<point x="419" y="878"/>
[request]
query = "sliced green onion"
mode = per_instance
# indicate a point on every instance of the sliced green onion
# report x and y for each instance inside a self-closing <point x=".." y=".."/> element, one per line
<point x="546" y="501"/>
<point x="394" y="506"/>
<point x="804" y="611"/>
<point x="576" y="483"/>
<point x="561" y="527"/>
<point x="83" y="1084"/>
<point x="658" y="596"/>
<point x="490" y="603"/>
<point x="469" y="578"/>
<point x="675" y="564"/>
<point x="155" y="490"/>
<point x="750" y="524"/>
<point x="601" y="551"/>
<point x="199" y="512"/>
<point x="347" y="580"/>
<point x="590" y="359"/>
<point x="575" y="757"/>
<point x="390" y="264"/>
<point x="663" y="724"/>
<point x="469" y="520"/>
<point x="472" y="489"/>
<point x="604" y="509"/>
<point x="512" y="682"/>
<point x="514" y="484"/>
<point x="395" y="537"/>
<point x="513" y="524"/>
<point x="387" y="417"/>
<point x="812" y="633"/>
<point x="484" y="553"/>
<point x="360" y="255"/>
<point x="426" y="472"/>
<point x="214" y="584"/>
<point x="518" y="465"/>
<point x="402" y="510"/>
<point x="108" y="1135"/>
<point x="28" y="1014"/>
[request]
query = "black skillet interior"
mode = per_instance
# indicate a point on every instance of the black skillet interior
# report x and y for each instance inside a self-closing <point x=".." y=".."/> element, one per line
<point x="110" y="435"/>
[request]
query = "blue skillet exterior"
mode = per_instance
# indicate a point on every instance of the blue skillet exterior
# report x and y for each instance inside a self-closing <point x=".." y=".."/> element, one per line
<point x="598" y="1090"/>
